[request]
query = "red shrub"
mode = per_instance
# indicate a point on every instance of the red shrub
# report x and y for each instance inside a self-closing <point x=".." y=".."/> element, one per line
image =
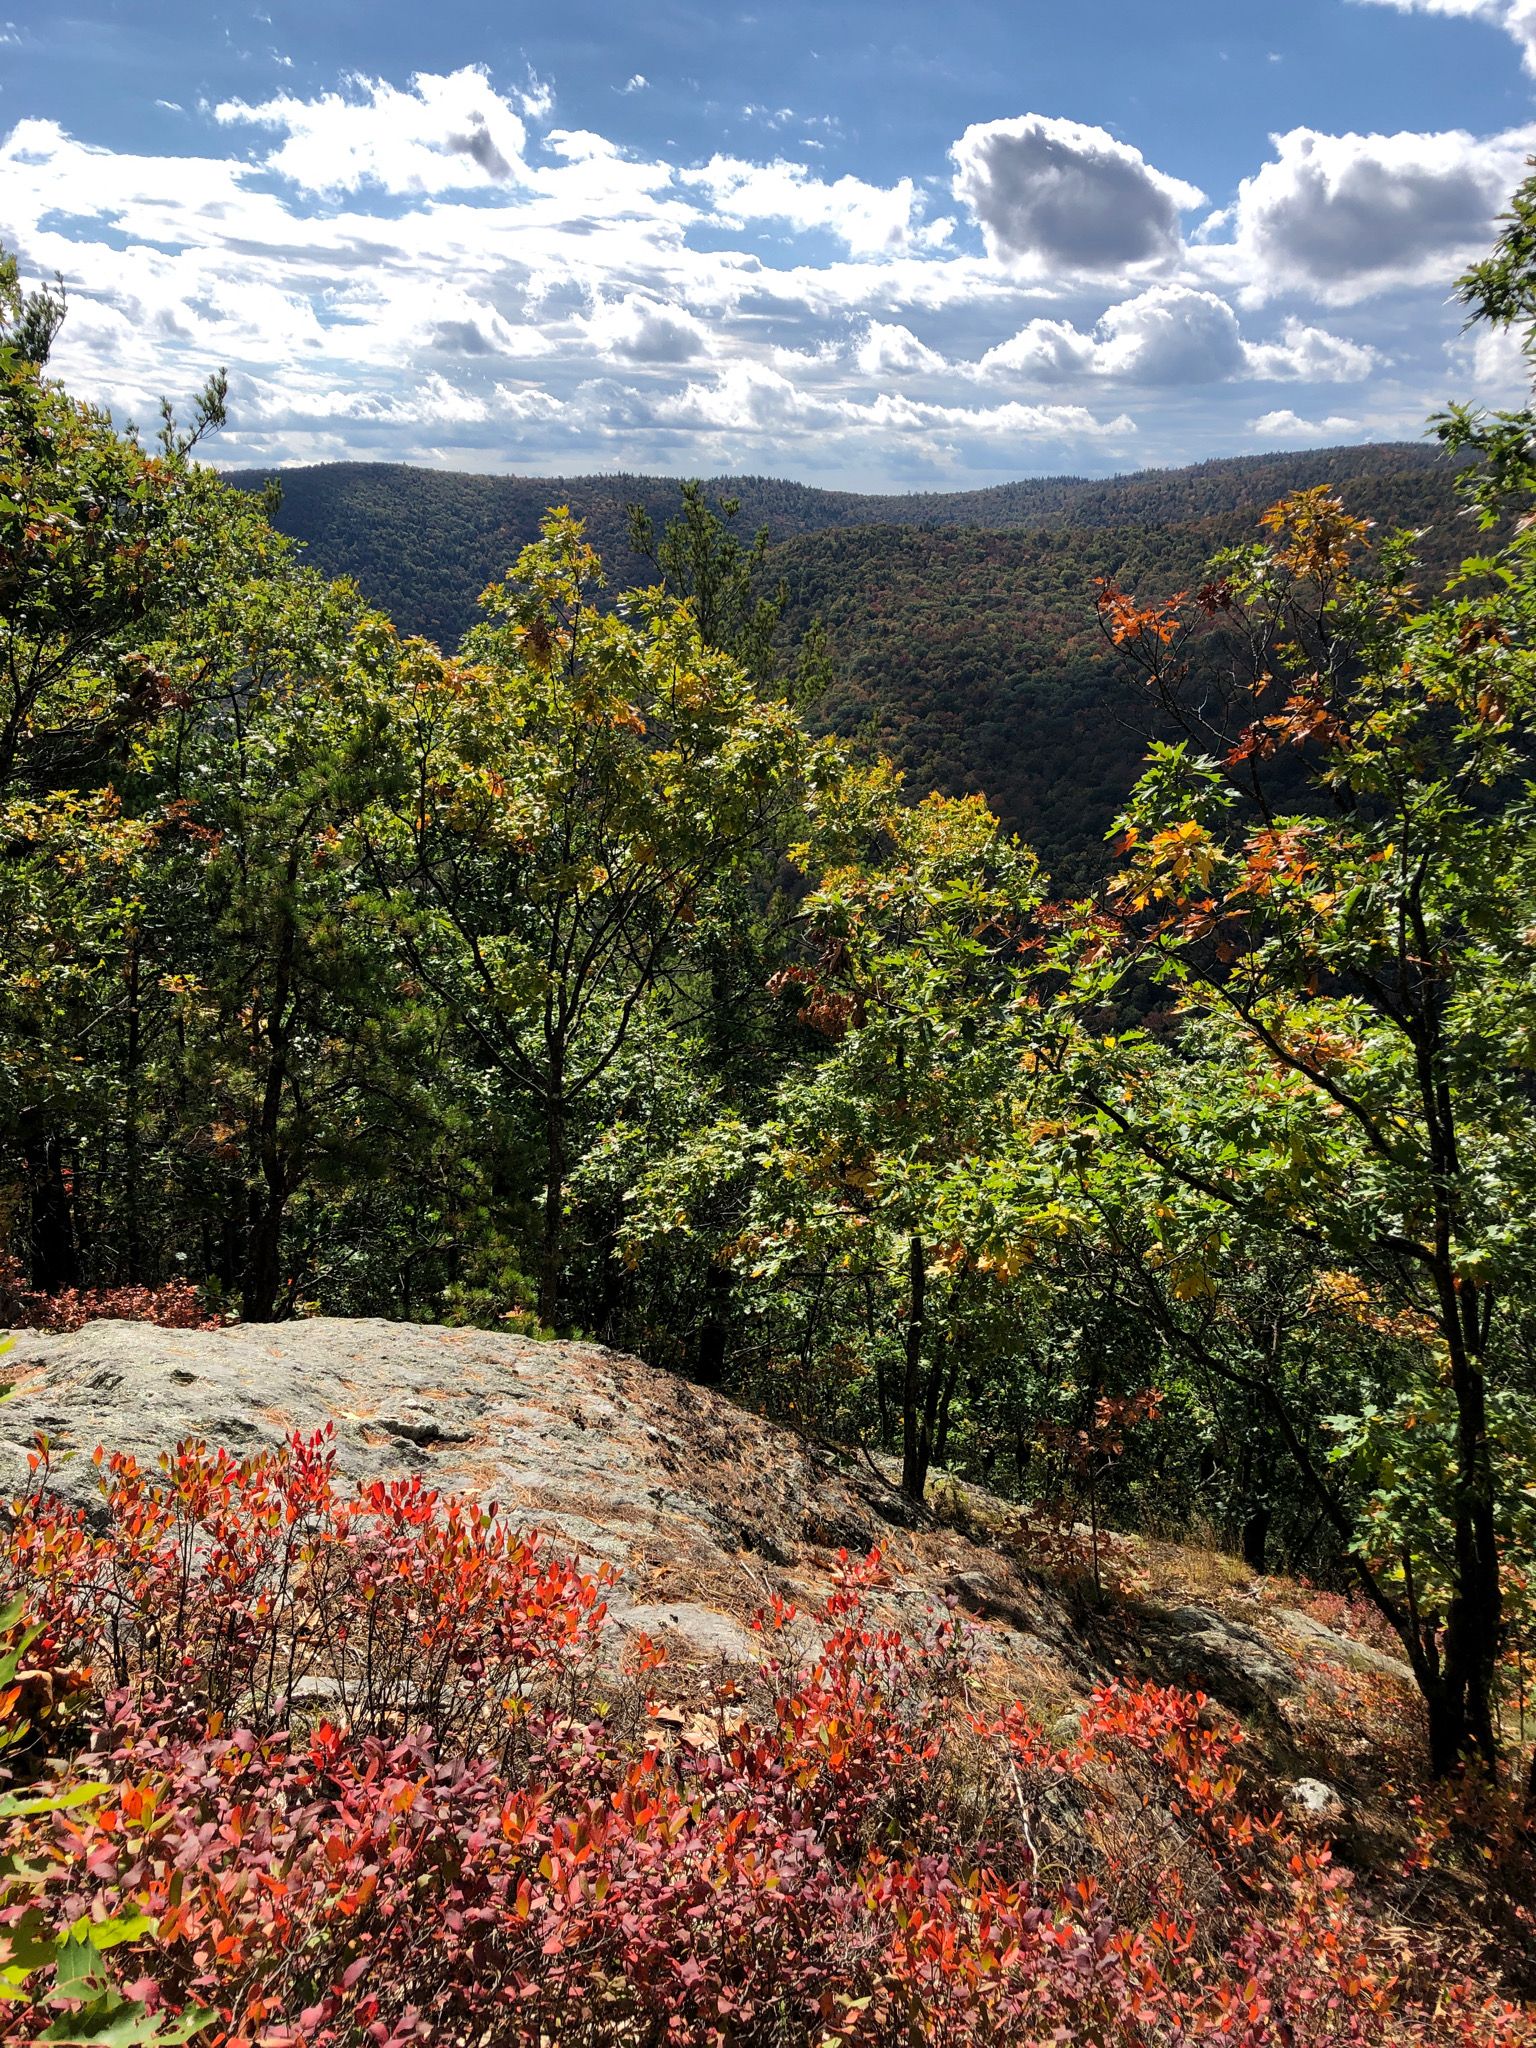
<point x="219" y="1587"/>
<point x="464" y="1848"/>
<point x="177" y="1305"/>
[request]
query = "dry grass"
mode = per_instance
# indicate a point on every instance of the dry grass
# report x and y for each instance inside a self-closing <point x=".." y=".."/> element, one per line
<point x="1196" y="1569"/>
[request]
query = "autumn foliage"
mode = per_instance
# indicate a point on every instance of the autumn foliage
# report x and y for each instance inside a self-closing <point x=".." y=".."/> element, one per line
<point x="367" y="1769"/>
<point x="176" y="1305"/>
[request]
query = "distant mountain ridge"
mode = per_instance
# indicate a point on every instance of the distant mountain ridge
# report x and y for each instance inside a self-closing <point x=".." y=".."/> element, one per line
<point x="424" y="542"/>
<point x="961" y="624"/>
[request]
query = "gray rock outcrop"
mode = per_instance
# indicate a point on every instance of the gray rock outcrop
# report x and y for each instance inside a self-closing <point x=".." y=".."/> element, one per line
<point x="706" y="1510"/>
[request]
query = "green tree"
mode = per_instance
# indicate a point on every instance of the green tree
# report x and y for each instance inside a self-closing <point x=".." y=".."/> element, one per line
<point x="856" y="1189"/>
<point x="1500" y="292"/>
<point x="581" y="784"/>
<point x="301" y="1045"/>
<point x="702" y="563"/>
<point x="103" y="547"/>
<point x="1355" y="983"/>
<point x="118" y="568"/>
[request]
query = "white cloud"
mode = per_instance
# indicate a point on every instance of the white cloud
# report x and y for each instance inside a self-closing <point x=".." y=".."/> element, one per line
<point x="433" y="402"/>
<point x="1287" y="426"/>
<point x="447" y="133"/>
<point x="889" y="349"/>
<point x="440" y="403"/>
<point x="1516" y="17"/>
<point x="749" y="396"/>
<point x="638" y="328"/>
<point x="1053" y="195"/>
<point x="377" y="287"/>
<point x="1312" y="356"/>
<point x="1343" y="216"/>
<point x="637" y="83"/>
<point x="528" y="404"/>
<point x="1026" y="422"/>
<point x="1042" y="352"/>
<point x="1493" y="362"/>
<point x="871" y="220"/>
<point x="467" y="324"/>
<point x="1171" y="335"/>
<point x="537" y="99"/>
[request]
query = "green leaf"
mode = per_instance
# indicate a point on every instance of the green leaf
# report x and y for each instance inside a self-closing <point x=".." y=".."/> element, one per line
<point x="112" y="2022"/>
<point x="14" y="1808"/>
<point x="76" y="1972"/>
<point x="105" y="1934"/>
<point x="33" y="1945"/>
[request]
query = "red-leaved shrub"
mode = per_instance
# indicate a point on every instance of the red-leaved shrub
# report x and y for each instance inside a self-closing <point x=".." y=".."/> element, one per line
<point x="366" y="1780"/>
<point x="176" y="1305"/>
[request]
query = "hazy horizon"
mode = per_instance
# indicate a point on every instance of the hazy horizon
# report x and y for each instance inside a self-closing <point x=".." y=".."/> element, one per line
<point x="680" y="476"/>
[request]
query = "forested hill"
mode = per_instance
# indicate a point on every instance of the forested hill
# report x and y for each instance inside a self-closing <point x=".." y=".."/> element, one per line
<point x="961" y="624"/>
<point x="423" y="543"/>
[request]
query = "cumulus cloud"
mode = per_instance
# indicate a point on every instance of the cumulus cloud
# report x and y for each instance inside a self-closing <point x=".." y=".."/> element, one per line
<point x="1042" y="352"/>
<point x="1009" y="421"/>
<point x="526" y="403"/>
<point x="484" y="332"/>
<point x="1052" y="195"/>
<point x="1312" y="355"/>
<point x="1343" y="216"/>
<point x="889" y="349"/>
<point x="752" y="396"/>
<point x="434" y="401"/>
<point x="422" y="272"/>
<point x="638" y="328"/>
<point x="869" y="219"/>
<point x="1516" y="17"/>
<point x="1288" y="426"/>
<point x="445" y="133"/>
<point x="1492" y="361"/>
<point x="746" y="396"/>
<point x="1172" y="335"/>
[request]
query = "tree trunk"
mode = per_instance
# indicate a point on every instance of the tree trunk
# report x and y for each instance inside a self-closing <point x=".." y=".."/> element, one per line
<point x="55" y="1259"/>
<point x="1446" y="1712"/>
<point x="1256" y="1537"/>
<point x="262" y="1278"/>
<point x="552" y="1249"/>
<point x="616" y="1287"/>
<point x="133" y="1230"/>
<point x="945" y="1404"/>
<point x="1474" y="1621"/>
<point x="914" y="1453"/>
<point x="714" y="1331"/>
<point x="261" y="1282"/>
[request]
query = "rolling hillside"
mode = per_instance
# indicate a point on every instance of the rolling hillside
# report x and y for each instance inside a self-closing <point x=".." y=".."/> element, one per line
<point x="961" y="623"/>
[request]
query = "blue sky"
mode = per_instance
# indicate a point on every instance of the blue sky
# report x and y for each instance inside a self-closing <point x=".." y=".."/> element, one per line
<point x="898" y="244"/>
